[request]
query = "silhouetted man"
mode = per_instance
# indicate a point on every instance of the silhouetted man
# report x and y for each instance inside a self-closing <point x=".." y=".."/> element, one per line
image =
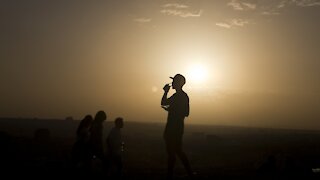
<point x="81" y="154"/>
<point x="96" y="140"/>
<point x="115" y="146"/>
<point x="97" y="135"/>
<point x="178" y="108"/>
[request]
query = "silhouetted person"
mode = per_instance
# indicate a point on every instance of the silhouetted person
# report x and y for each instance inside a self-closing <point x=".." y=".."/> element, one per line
<point x="178" y="108"/>
<point x="83" y="131"/>
<point x="81" y="155"/>
<point x="96" y="137"/>
<point x="99" y="161"/>
<point x="115" y="146"/>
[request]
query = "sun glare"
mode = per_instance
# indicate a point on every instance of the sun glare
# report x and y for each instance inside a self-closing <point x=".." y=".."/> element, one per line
<point x="197" y="73"/>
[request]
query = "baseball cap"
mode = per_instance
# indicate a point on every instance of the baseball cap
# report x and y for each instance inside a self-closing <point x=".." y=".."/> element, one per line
<point x="179" y="78"/>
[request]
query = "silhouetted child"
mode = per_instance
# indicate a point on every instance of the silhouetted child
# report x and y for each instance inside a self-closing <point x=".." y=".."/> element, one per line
<point x="81" y="150"/>
<point x="115" y="146"/>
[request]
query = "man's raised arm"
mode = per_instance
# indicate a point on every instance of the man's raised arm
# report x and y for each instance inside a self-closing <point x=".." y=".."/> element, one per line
<point x="165" y="100"/>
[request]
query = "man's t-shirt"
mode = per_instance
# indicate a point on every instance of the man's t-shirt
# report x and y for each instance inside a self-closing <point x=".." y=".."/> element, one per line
<point x="177" y="111"/>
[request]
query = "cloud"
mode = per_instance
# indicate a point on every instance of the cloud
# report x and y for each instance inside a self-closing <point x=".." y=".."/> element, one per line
<point x="233" y="23"/>
<point x="236" y="5"/>
<point x="175" y="5"/>
<point x="264" y="8"/>
<point x="174" y="12"/>
<point x="273" y="8"/>
<point x="241" y="6"/>
<point x="239" y="22"/>
<point x="270" y="13"/>
<point x="301" y="3"/>
<point x="249" y="5"/>
<point x="282" y="4"/>
<point x="306" y="3"/>
<point x="142" y="20"/>
<point x="224" y="25"/>
<point x="272" y="5"/>
<point x="180" y="10"/>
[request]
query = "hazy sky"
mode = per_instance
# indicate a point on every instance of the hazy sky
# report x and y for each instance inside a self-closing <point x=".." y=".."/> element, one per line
<point x="71" y="58"/>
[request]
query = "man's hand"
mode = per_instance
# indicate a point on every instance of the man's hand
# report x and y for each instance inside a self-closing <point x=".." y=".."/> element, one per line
<point x="166" y="88"/>
<point x="164" y="100"/>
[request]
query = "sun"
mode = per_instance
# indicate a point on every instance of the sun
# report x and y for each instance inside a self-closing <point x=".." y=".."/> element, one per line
<point x="197" y="73"/>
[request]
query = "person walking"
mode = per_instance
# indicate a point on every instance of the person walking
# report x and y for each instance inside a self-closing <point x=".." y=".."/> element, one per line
<point x="178" y="108"/>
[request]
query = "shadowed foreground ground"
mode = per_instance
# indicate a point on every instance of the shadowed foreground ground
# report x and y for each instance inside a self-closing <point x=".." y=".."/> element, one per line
<point x="215" y="152"/>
